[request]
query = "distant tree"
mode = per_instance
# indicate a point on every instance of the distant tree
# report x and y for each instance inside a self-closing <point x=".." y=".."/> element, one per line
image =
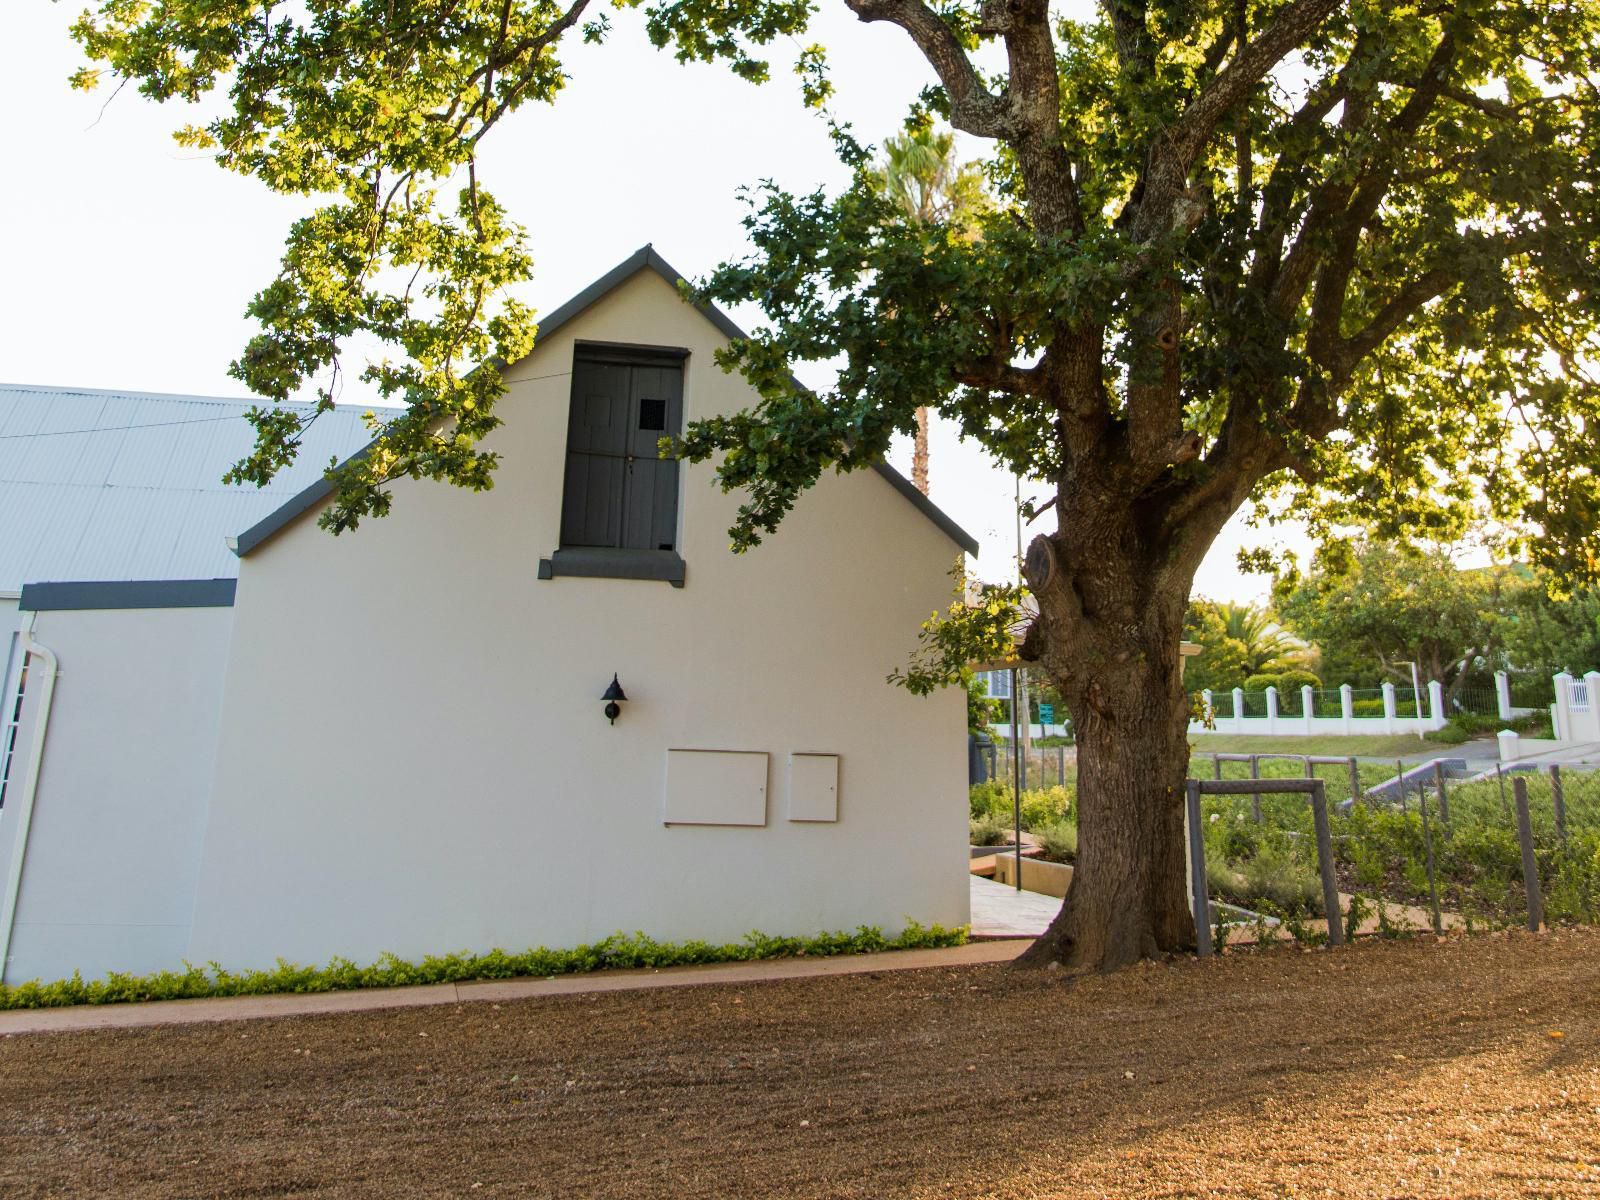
<point x="920" y="173"/>
<point x="1237" y="641"/>
<point x="1543" y="634"/>
<point x="1224" y="659"/>
<point x="1374" y="606"/>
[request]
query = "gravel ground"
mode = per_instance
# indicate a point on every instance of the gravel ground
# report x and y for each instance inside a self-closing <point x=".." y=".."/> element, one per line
<point x="1413" y="1068"/>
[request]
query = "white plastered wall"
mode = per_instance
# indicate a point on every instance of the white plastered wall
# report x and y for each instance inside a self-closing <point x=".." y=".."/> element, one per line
<point x="118" y="817"/>
<point x="413" y="757"/>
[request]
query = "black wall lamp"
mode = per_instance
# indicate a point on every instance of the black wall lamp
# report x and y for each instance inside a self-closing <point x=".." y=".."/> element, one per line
<point x="614" y="698"/>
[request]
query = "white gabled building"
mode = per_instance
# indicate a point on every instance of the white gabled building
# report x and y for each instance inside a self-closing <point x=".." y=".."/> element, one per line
<point x="394" y="740"/>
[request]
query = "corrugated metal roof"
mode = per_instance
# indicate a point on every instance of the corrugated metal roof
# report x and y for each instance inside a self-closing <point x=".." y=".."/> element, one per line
<point x="102" y="485"/>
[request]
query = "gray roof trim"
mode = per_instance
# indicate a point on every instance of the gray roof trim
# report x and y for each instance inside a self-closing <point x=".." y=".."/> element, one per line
<point x="641" y="259"/>
<point x="297" y="505"/>
<point x="140" y="593"/>
<point x="928" y="508"/>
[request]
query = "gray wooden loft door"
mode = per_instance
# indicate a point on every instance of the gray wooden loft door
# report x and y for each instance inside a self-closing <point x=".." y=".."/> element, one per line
<point x="619" y="491"/>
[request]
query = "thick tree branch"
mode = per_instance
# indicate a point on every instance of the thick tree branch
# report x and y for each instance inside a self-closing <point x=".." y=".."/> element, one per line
<point x="973" y="108"/>
<point x="998" y="375"/>
<point x="1248" y="68"/>
<point x="1395" y="312"/>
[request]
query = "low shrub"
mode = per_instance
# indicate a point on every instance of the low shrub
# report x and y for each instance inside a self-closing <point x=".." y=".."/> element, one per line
<point x="1058" y="842"/>
<point x="1040" y="806"/>
<point x="618" y="950"/>
<point x="987" y="831"/>
<point x="1271" y="881"/>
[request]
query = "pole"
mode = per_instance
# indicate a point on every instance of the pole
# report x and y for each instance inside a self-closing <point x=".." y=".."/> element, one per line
<point x="1400" y="779"/>
<point x="1216" y="766"/>
<point x="1355" y="781"/>
<point x="1197" y="871"/>
<point x="1559" y="799"/>
<point x="1330" y="884"/>
<point x="1530" y="865"/>
<point x="1438" y="783"/>
<point x="1416" y="695"/>
<point x="1016" y="782"/>
<point x="1427" y="845"/>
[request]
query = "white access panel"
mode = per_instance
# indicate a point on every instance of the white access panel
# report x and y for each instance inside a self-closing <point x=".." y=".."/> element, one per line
<point x="716" y="787"/>
<point x="813" y="787"/>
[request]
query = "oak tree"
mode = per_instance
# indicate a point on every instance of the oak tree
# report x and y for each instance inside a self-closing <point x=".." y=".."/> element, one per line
<point x="1340" y="249"/>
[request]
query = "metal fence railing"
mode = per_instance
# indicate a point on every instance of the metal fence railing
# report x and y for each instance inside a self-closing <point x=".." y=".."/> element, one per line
<point x="1410" y="847"/>
<point x="1512" y="846"/>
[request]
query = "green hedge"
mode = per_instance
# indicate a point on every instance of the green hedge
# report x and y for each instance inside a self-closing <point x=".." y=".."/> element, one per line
<point x="618" y="950"/>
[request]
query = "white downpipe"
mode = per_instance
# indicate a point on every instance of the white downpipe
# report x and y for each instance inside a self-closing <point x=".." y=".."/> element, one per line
<point x="30" y="785"/>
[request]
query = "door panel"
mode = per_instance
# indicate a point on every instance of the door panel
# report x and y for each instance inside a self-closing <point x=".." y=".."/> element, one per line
<point x="618" y="490"/>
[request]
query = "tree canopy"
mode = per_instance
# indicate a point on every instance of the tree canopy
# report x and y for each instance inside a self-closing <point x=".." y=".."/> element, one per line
<point x="1349" y="240"/>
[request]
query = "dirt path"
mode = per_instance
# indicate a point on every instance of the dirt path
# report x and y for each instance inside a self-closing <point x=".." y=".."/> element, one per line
<point x="1401" y="1069"/>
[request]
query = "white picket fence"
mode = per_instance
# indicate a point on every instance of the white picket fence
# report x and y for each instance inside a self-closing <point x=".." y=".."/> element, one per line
<point x="1278" y="724"/>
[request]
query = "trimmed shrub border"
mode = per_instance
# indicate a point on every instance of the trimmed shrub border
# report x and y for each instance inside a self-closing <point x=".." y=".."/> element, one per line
<point x="620" y="950"/>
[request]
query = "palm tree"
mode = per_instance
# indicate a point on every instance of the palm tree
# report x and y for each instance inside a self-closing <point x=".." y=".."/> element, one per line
<point x="921" y="175"/>
<point x="1267" y="648"/>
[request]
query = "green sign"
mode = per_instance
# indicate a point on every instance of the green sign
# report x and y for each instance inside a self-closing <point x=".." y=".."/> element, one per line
<point x="1047" y="714"/>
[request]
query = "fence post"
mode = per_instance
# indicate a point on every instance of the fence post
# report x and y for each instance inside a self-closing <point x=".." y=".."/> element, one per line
<point x="1400" y="782"/>
<point x="1238" y="710"/>
<point x="1427" y="846"/>
<point x="1330" y="885"/>
<point x="1272" y="710"/>
<point x="1255" y="773"/>
<point x="1500" y="777"/>
<point x="1216" y="766"/>
<point x="1530" y="865"/>
<point x="1502" y="695"/>
<point x="1561" y="713"/>
<point x="1197" y="871"/>
<point x="1436" y="714"/>
<point x="1388" y="708"/>
<point x="1558" y="798"/>
<point x="1211" y="708"/>
<point x="1438" y="783"/>
<point x="1308" y="705"/>
<point x="1347" y="706"/>
<point x="1510" y="745"/>
<point x="1355" y="781"/>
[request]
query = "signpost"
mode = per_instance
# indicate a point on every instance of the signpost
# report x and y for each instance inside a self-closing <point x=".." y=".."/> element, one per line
<point x="1047" y="714"/>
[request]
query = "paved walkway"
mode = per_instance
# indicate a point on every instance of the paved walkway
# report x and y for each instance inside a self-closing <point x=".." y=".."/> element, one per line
<point x="999" y="911"/>
<point x="246" y="1008"/>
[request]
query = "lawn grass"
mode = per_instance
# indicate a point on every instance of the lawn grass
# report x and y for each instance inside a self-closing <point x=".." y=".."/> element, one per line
<point x="1367" y="745"/>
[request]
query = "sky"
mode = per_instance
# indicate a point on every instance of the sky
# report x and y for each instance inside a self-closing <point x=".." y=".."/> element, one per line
<point x="128" y="260"/>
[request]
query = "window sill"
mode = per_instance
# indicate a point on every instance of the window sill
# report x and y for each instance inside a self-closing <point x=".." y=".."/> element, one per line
<point x="595" y="562"/>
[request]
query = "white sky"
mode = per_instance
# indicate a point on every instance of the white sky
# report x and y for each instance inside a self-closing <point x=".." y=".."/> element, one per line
<point x="128" y="261"/>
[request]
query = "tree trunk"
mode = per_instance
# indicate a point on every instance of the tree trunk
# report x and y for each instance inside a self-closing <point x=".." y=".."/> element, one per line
<point x="919" y="453"/>
<point x="1122" y="682"/>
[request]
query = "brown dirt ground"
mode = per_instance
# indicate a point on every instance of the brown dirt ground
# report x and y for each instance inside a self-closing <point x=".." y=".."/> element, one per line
<point x="1412" y="1068"/>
